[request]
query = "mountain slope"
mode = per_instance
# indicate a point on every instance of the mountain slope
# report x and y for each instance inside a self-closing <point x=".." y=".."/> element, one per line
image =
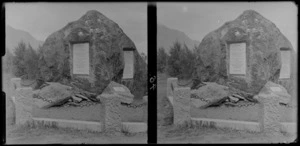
<point x="167" y="36"/>
<point x="14" y="36"/>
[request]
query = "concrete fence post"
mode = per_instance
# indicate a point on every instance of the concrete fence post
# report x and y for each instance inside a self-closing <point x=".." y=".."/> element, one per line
<point x="171" y="85"/>
<point x="171" y="81"/>
<point x="269" y="113"/>
<point x="181" y="105"/>
<point x="23" y="102"/>
<point x="112" y="123"/>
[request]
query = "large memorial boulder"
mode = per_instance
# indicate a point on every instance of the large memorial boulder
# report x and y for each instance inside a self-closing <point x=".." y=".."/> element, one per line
<point x="256" y="45"/>
<point x="100" y="45"/>
<point x="209" y="93"/>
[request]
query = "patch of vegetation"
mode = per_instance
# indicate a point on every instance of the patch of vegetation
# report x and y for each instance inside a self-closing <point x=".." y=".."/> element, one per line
<point x="24" y="62"/>
<point x="126" y="132"/>
<point x="179" y="63"/>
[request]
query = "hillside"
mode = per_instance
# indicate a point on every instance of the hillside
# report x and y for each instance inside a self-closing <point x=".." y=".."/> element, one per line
<point x="14" y="36"/>
<point x="167" y="36"/>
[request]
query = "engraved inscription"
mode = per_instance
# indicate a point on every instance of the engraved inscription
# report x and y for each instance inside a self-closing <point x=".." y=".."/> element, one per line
<point x="237" y="63"/>
<point x="285" y="64"/>
<point x="128" y="69"/>
<point x="81" y="58"/>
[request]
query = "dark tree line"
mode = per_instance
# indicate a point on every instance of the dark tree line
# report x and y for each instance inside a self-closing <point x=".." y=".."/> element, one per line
<point x="23" y="62"/>
<point x="180" y="61"/>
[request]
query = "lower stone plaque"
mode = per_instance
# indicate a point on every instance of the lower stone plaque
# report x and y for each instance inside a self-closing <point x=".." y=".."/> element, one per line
<point x="285" y="64"/>
<point x="128" y="69"/>
<point x="237" y="61"/>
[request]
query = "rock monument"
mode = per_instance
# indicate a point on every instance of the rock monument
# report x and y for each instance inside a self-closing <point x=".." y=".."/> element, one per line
<point x="90" y="53"/>
<point x="246" y="53"/>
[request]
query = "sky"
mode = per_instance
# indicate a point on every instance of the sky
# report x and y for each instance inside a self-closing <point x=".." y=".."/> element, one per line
<point x="42" y="19"/>
<point x="198" y="19"/>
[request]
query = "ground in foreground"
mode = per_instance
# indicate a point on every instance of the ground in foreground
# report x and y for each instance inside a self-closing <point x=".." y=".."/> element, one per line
<point x="52" y="135"/>
<point x="172" y="134"/>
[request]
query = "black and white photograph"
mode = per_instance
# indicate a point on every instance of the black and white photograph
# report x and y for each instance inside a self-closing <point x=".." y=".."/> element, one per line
<point x="75" y="73"/>
<point x="215" y="72"/>
<point x="227" y="72"/>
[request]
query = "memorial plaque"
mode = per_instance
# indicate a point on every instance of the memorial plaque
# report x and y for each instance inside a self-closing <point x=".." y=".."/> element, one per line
<point x="275" y="89"/>
<point x="285" y="64"/>
<point x="128" y="69"/>
<point x="81" y="60"/>
<point x="119" y="89"/>
<point x="237" y="61"/>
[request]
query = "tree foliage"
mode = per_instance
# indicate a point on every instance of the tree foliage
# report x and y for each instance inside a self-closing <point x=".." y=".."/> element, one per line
<point x="181" y="61"/>
<point x="7" y="61"/>
<point x="25" y="62"/>
<point x="162" y="58"/>
<point x="18" y="60"/>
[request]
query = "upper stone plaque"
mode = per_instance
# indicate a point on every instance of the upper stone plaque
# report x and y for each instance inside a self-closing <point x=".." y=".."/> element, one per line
<point x="237" y="64"/>
<point x="81" y="58"/>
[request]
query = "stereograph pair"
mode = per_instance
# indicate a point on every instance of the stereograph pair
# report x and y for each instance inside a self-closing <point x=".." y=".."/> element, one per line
<point x="83" y="72"/>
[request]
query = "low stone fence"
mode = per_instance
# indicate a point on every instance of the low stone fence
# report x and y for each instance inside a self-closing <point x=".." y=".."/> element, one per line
<point x="23" y="102"/>
<point x="268" y="111"/>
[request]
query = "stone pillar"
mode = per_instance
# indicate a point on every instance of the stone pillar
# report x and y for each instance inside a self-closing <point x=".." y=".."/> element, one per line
<point x="181" y="105"/>
<point x="23" y="101"/>
<point x="145" y="108"/>
<point x="112" y="123"/>
<point x="171" y="82"/>
<point x="10" y="100"/>
<point x="269" y="113"/>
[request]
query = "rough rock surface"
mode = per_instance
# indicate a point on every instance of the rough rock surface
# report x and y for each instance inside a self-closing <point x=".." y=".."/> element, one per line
<point x="278" y="91"/>
<point x="54" y="92"/>
<point x="120" y="89"/>
<point x="106" y="42"/>
<point x="263" y="43"/>
<point x="181" y="105"/>
<point x="211" y="92"/>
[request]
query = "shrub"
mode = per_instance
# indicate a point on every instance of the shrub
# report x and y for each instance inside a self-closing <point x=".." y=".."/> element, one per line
<point x="162" y="58"/>
<point x="18" y="60"/>
<point x="181" y="61"/>
<point x="7" y="61"/>
<point x="25" y="62"/>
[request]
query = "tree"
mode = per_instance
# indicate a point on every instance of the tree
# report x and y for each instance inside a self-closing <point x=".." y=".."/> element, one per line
<point x="181" y="61"/>
<point x="18" y="60"/>
<point x="174" y="68"/>
<point x="7" y="61"/>
<point x="162" y="58"/>
<point x="31" y="63"/>
<point x="25" y="62"/>
<point x="189" y="62"/>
